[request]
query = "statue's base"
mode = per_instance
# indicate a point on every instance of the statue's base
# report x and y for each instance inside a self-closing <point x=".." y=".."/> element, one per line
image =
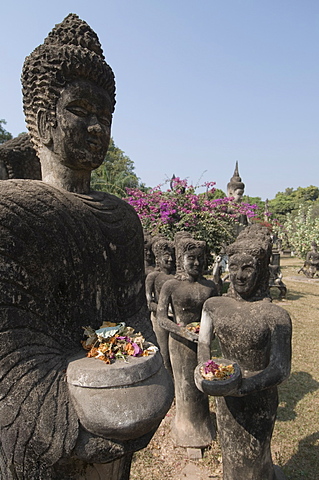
<point x="194" y="453"/>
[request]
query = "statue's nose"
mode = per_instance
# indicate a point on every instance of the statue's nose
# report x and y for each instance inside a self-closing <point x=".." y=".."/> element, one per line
<point x="240" y="273"/>
<point x="95" y="128"/>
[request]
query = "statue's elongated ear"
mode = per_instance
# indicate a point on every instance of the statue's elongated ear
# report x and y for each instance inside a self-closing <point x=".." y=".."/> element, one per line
<point x="44" y="127"/>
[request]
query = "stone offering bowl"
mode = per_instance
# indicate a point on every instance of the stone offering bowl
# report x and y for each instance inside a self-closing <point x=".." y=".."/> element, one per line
<point x="121" y="401"/>
<point x="218" y="388"/>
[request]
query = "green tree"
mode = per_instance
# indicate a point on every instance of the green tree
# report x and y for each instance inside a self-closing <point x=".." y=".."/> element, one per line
<point x="290" y="200"/>
<point x="307" y="194"/>
<point x="116" y="173"/>
<point x="4" y="135"/>
<point x="282" y="204"/>
<point x="302" y="229"/>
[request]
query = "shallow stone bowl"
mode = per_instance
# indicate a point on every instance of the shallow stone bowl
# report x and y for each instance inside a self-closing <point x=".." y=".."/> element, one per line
<point x="218" y="388"/>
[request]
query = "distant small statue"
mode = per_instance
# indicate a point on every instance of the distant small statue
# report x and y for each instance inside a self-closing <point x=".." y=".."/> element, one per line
<point x="235" y="189"/>
<point x="275" y="273"/>
<point x="165" y="263"/>
<point x="311" y="265"/>
<point x="185" y="295"/>
<point x="255" y="334"/>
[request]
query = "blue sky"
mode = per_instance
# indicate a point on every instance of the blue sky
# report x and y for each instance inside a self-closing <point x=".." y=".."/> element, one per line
<point x="201" y="84"/>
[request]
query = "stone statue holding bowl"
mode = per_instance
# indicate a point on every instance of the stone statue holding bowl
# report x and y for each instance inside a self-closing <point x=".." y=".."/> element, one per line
<point x="165" y="267"/>
<point x="71" y="258"/>
<point x="255" y="336"/>
<point x="185" y="295"/>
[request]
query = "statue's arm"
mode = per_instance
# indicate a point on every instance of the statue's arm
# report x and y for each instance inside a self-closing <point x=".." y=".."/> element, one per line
<point x="278" y="368"/>
<point x="163" y="310"/>
<point x="206" y="332"/>
<point x="149" y="291"/>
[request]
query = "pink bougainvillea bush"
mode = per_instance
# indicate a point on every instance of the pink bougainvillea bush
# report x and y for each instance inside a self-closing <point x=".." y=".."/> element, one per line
<point x="181" y="208"/>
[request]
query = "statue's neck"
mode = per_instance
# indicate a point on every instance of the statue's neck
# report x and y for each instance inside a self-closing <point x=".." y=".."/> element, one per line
<point x="60" y="176"/>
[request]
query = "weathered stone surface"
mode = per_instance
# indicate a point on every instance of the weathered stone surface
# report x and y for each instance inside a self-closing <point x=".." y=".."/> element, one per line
<point x="257" y="335"/>
<point x="165" y="266"/>
<point x="149" y="257"/>
<point x="186" y="294"/>
<point x="68" y="258"/>
<point x="18" y="159"/>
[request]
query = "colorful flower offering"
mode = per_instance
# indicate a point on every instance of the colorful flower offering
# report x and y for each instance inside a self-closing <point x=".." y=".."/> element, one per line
<point x="214" y="371"/>
<point x="193" y="327"/>
<point x="113" y="341"/>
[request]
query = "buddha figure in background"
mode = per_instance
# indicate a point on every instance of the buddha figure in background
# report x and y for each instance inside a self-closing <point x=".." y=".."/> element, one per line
<point x="185" y="296"/>
<point x="69" y="258"/>
<point x="257" y="335"/>
<point x="165" y="262"/>
<point x="235" y="189"/>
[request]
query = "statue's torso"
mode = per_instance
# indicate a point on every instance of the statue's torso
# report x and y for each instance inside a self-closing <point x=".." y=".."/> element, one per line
<point x="187" y="299"/>
<point x="244" y="329"/>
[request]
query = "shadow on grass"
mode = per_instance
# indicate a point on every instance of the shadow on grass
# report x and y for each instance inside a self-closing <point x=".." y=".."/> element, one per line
<point x="291" y="295"/>
<point x="292" y="391"/>
<point x="294" y="295"/>
<point x="304" y="464"/>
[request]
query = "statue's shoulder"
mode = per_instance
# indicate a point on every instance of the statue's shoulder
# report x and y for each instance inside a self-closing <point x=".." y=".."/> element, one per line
<point x="36" y="201"/>
<point x="220" y="303"/>
<point x="274" y="313"/>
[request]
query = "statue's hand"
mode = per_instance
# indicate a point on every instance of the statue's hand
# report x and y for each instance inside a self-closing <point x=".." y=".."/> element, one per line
<point x="185" y="333"/>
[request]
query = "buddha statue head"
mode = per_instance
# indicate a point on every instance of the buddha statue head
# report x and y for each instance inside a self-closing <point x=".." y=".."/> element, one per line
<point x="249" y="257"/>
<point x="68" y="101"/>
<point x="164" y="255"/>
<point x="235" y="187"/>
<point x="190" y="258"/>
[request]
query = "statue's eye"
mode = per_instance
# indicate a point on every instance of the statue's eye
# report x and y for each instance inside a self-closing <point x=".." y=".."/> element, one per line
<point x="249" y="269"/>
<point x="105" y="120"/>
<point x="78" y="111"/>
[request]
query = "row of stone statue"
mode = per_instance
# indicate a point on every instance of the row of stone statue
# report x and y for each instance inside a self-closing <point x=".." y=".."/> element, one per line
<point x="72" y="258"/>
<point x="250" y="330"/>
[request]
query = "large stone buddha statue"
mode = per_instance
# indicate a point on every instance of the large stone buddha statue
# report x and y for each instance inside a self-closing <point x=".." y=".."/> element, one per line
<point x="70" y="258"/>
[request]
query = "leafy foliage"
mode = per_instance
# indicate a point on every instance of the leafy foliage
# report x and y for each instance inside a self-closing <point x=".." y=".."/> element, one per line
<point x="180" y="208"/>
<point x="115" y="174"/>
<point x="302" y="229"/>
<point x="4" y="135"/>
<point x="290" y="200"/>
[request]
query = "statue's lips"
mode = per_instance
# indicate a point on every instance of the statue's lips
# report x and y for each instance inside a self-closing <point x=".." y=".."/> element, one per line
<point x="95" y="145"/>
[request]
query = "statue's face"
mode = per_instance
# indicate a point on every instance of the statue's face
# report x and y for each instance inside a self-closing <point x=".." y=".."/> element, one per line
<point x="166" y="260"/>
<point x="193" y="262"/>
<point x="243" y="273"/>
<point x="83" y="130"/>
<point x="238" y="194"/>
